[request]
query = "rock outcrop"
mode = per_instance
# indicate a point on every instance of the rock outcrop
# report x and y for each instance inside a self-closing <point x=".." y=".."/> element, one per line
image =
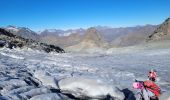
<point x="22" y="32"/>
<point x="11" y="41"/>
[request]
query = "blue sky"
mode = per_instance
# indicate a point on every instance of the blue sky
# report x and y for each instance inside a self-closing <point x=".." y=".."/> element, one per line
<point x="66" y="14"/>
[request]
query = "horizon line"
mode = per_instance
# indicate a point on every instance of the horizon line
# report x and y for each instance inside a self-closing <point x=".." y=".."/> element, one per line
<point x="65" y="29"/>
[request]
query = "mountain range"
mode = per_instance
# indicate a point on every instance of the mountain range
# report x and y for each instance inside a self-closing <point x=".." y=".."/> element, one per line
<point x="96" y="37"/>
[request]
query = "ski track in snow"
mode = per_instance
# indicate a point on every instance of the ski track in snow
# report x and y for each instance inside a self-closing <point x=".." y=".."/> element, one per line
<point x="119" y="69"/>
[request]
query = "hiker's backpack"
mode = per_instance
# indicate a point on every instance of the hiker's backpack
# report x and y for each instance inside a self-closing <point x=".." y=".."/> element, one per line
<point x="151" y="86"/>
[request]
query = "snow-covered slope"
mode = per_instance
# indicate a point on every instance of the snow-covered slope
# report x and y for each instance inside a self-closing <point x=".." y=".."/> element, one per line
<point x="38" y="74"/>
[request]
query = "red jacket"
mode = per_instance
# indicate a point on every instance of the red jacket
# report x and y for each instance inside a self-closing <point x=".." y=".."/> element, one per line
<point x="151" y="86"/>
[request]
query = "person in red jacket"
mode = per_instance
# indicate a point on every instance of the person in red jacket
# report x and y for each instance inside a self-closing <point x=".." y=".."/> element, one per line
<point x="152" y="90"/>
<point x="152" y="75"/>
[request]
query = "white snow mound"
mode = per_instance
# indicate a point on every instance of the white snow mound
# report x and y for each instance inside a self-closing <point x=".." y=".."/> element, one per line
<point x="89" y="88"/>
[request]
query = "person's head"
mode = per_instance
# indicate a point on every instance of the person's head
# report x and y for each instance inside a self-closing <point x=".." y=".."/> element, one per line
<point x="152" y="75"/>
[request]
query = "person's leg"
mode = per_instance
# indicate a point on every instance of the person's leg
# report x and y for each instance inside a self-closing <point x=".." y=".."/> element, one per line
<point x="145" y="94"/>
<point x="138" y="95"/>
<point x="150" y="93"/>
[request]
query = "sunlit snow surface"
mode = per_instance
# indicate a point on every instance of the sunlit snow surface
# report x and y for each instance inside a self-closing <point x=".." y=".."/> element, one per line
<point x="119" y="69"/>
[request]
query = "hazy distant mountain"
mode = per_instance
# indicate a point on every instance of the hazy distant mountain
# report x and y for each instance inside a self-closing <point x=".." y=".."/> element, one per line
<point x="162" y="32"/>
<point x="63" y="41"/>
<point x="55" y="32"/>
<point x="110" y="34"/>
<point x="115" y="36"/>
<point x="50" y="32"/>
<point x="63" y="38"/>
<point x="23" y="32"/>
<point x="133" y="35"/>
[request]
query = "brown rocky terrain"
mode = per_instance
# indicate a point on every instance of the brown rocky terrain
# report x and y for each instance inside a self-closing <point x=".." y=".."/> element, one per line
<point x="63" y="41"/>
<point x="162" y="32"/>
<point x="92" y="40"/>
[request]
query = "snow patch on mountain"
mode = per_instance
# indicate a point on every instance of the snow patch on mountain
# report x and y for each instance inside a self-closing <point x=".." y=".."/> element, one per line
<point x="13" y="29"/>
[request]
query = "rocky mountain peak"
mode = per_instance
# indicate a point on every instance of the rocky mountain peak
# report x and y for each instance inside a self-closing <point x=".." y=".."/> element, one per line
<point x="92" y="34"/>
<point x="92" y="41"/>
<point x="162" y="32"/>
<point x="167" y="20"/>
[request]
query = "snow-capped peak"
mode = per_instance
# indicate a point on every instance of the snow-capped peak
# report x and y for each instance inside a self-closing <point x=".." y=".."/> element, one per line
<point x="12" y="28"/>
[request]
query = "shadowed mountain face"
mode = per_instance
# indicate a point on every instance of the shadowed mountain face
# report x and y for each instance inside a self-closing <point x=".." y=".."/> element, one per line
<point x="162" y="32"/>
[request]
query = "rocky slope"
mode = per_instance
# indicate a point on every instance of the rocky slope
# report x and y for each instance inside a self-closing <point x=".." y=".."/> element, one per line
<point x="111" y="34"/>
<point x="11" y="41"/>
<point x="22" y="32"/>
<point x="162" y="32"/>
